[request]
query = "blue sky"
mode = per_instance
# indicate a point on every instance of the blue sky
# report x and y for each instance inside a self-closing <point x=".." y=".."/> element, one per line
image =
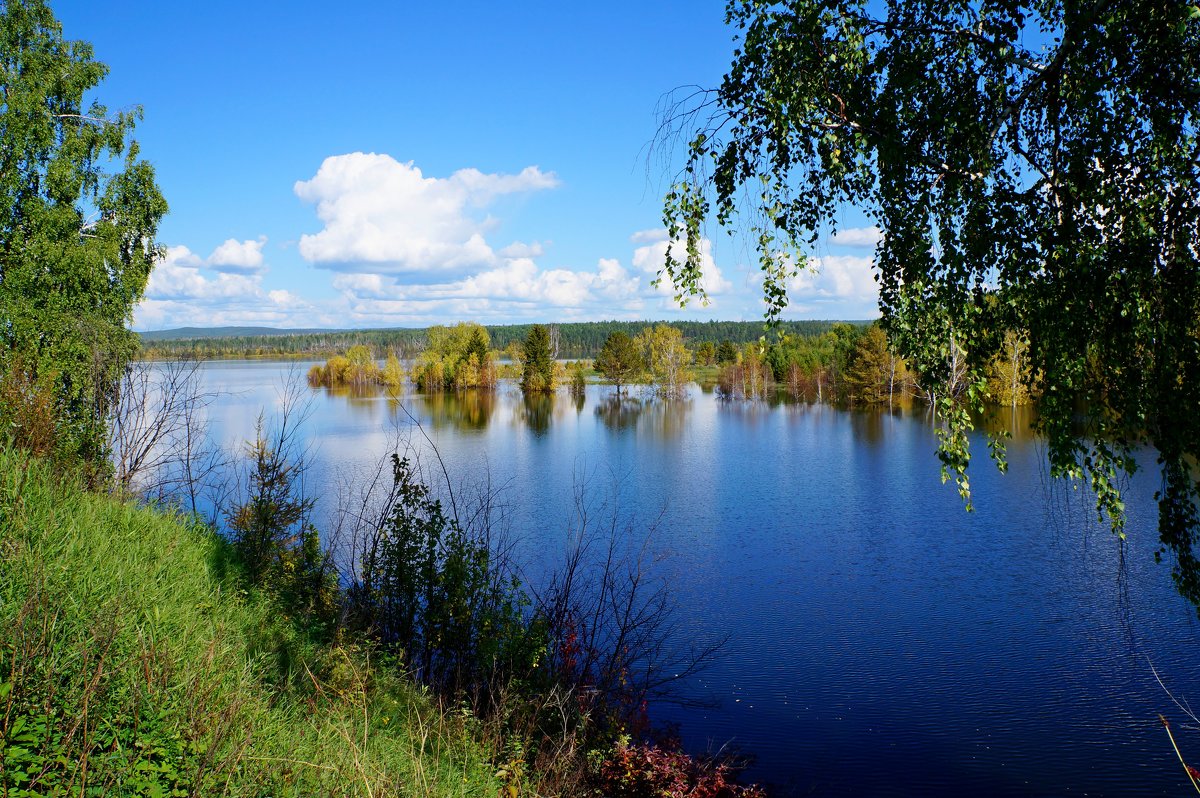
<point x="400" y="164"/>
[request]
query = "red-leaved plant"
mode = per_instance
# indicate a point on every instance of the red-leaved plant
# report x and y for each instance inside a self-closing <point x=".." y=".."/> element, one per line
<point x="650" y="771"/>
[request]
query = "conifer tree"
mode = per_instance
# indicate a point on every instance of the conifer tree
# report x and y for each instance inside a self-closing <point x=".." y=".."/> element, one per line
<point x="538" y="366"/>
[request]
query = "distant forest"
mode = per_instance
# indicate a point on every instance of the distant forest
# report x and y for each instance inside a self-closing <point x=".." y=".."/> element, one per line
<point x="574" y="340"/>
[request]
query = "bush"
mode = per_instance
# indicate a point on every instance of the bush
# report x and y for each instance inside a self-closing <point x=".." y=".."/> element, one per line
<point x="752" y="378"/>
<point x="27" y="410"/>
<point x="648" y="771"/>
<point x="278" y="546"/>
<point x="432" y="592"/>
<point x="578" y="382"/>
<point x="356" y="368"/>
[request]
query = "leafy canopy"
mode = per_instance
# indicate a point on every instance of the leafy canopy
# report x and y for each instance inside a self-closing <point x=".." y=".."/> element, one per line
<point x="1034" y="168"/>
<point x="620" y="359"/>
<point x="665" y="359"/>
<point x="79" y="211"/>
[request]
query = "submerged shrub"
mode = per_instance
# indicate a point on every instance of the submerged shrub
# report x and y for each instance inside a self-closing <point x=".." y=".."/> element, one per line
<point x="458" y="358"/>
<point x="578" y="383"/>
<point x="751" y="378"/>
<point x="392" y="375"/>
<point x="355" y="368"/>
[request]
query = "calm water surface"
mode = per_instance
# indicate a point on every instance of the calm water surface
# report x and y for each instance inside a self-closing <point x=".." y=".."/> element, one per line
<point x="882" y="641"/>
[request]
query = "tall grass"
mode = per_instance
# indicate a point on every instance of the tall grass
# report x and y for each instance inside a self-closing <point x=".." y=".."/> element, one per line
<point x="131" y="662"/>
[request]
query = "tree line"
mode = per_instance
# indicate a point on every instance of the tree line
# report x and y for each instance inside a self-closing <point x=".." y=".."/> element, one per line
<point x="569" y="340"/>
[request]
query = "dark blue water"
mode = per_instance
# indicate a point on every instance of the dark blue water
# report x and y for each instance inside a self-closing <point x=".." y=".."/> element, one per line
<point x="881" y="640"/>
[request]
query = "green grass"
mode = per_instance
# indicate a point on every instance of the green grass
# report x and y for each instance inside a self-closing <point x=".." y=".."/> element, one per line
<point x="132" y="664"/>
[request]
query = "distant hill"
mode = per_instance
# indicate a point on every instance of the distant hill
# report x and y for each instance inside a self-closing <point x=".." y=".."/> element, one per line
<point x="197" y="333"/>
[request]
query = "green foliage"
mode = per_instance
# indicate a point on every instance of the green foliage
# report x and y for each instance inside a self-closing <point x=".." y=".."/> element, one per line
<point x="278" y="547"/>
<point x="875" y="374"/>
<point x="477" y="345"/>
<point x="537" y="365"/>
<point x="431" y="591"/>
<point x="666" y="359"/>
<point x="131" y="664"/>
<point x="273" y="518"/>
<point x="1008" y="373"/>
<point x="393" y="373"/>
<point x="356" y="368"/>
<point x="726" y="353"/>
<point x="429" y="372"/>
<point x="458" y="358"/>
<point x="815" y="367"/>
<point x="460" y="340"/>
<point x="79" y="212"/>
<point x="620" y="359"/>
<point x="576" y="339"/>
<point x="578" y="376"/>
<point x="1033" y="170"/>
<point x="751" y="377"/>
<point x="360" y="366"/>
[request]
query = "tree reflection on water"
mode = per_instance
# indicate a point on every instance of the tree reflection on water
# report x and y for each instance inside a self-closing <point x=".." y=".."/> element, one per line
<point x="459" y="410"/>
<point x="619" y="412"/>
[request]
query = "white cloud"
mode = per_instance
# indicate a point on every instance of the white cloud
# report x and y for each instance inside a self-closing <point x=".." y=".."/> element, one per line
<point x="518" y="249"/>
<point x="183" y="292"/>
<point x="857" y="237"/>
<point x="843" y="279"/>
<point x="179" y="276"/>
<point x="286" y="299"/>
<point x="649" y="236"/>
<point x="238" y="257"/>
<point x="517" y="288"/>
<point x="517" y="281"/>
<point x="650" y="258"/>
<point x="383" y="216"/>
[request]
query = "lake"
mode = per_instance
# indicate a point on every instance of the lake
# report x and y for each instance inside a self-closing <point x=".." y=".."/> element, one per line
<point x="881" y="640"/>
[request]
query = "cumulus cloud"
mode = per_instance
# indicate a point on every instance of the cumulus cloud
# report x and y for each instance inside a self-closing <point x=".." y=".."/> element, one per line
<point x="650" y="257"/>
<point x="238" y="257"/>
<point x="179" y="276"/>
<point x="518" y="249"/>
<point x="517" y="281"/>
<point x="845" y="280"/>
<point x="383" y="216"/>
<point x="649" y="236"/>
<point x="518" y="288"/>
<point x="857" y="237"/>
<point x="183" y="291"/>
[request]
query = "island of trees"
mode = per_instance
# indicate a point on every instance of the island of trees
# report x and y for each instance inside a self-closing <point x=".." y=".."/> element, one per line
<point x="849" y="364"/>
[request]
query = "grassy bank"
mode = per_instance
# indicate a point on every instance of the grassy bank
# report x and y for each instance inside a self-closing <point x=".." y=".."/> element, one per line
<point x="131" y="663"/>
